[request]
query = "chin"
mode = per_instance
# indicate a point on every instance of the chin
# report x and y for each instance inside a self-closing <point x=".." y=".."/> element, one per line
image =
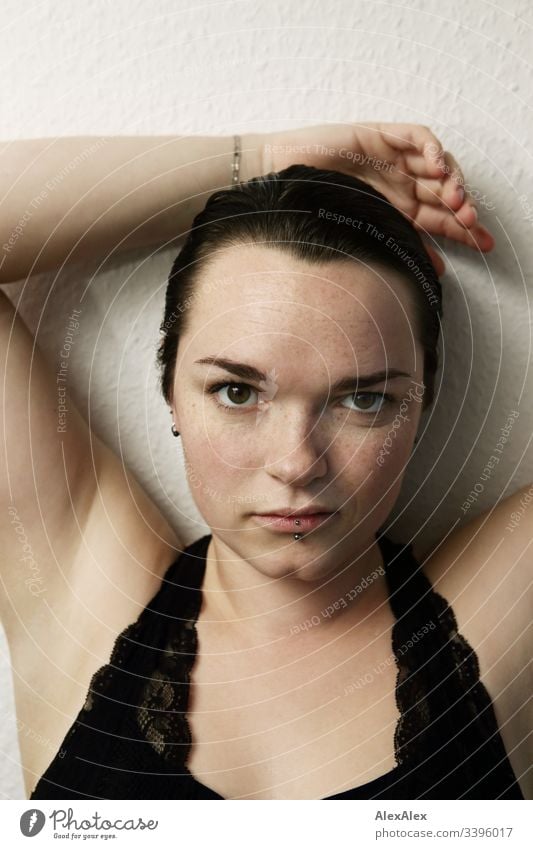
<point x="292" y="562"/>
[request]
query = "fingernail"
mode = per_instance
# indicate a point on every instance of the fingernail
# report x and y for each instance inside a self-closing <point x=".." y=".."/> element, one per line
<point x="461" y="193"/>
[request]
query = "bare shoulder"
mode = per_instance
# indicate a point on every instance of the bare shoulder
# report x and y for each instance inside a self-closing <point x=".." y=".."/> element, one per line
<point x="124" y="547"/>
<point x="484" y="571"/>
<point x="489" y="559"/>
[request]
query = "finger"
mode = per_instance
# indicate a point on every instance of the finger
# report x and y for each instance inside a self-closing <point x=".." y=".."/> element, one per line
<point x="453" y="169"/>
<point x="421" y="149"/>
<point x="467" y="214"/>
<point x="438" y="222"/>
<point x="429" y="165"/>
<point x="428" y="160"/>
<point x="452" y="193"/>
<point x="449" y="195"/>
<point x="438" y="193"/>
<point x="416" y="140"/>
<point x="449" y="189"/>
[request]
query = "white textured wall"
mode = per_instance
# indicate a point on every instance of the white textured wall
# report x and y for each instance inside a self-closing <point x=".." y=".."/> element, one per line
<point x="172" y="66"/>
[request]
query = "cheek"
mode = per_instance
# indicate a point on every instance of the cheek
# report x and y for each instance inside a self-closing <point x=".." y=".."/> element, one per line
<point x="376" y="448"/>
<point x="223" y="452"/>
<point x="374" y="467"/>
<point x="219" y="475"/>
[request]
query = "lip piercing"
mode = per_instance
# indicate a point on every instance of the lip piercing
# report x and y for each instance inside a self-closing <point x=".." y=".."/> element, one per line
<point x="297" y="536"/>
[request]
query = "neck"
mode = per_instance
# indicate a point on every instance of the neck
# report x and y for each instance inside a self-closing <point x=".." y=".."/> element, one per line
<point x="263" y="607"/>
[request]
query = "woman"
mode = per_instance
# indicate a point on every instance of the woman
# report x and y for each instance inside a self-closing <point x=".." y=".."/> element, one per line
<point x="304" y="287"/>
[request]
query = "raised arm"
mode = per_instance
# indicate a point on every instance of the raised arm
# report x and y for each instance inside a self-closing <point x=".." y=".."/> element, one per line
<point x="67" y="199"/>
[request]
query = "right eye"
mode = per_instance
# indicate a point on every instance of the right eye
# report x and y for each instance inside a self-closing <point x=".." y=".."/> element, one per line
<point x="237" y="393"/>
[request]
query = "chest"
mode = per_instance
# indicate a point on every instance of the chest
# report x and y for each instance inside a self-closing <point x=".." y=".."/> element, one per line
<point x="292" y="722"/>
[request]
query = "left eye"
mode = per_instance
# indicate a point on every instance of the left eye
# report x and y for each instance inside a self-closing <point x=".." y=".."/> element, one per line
<point x="370" y="399"/>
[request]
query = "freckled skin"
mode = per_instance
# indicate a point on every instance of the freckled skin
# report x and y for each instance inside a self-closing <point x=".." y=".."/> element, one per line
<point x="306" y="325"/>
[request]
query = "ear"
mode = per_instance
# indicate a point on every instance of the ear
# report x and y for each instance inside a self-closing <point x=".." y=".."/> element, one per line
<point x="174" y="415"/>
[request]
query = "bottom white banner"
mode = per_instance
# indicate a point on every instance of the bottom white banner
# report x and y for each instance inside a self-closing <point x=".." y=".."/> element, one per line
<point x="240" y="823"/>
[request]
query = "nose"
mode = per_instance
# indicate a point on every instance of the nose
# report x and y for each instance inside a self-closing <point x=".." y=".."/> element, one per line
<point x="296" y="456"/>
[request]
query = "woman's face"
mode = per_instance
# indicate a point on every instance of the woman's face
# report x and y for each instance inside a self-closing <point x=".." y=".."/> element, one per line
<point x="275" y="431"/>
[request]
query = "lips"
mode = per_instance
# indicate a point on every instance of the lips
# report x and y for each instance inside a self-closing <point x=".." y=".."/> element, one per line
<point x="310" y="510"/>
<point x="285" y="523"/>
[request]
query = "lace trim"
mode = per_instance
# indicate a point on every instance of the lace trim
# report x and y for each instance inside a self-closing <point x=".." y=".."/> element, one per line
<point x="445" y="710"/>
<point x="102" y="678"/>
<point x="161" y="715"/>
<point x="439" y="696"/>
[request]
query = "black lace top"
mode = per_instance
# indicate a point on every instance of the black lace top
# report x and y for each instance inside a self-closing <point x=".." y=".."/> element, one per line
<point x="131" y="738"/>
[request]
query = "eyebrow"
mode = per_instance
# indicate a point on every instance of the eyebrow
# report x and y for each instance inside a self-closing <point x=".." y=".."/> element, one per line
<point x="248" y="372"/>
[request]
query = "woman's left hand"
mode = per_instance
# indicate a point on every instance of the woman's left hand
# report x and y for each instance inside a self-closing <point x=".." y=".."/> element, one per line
<point x="405" y="162"/>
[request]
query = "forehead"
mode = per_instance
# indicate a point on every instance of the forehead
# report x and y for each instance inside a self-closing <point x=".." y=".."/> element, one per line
<point x="289" y="303"/>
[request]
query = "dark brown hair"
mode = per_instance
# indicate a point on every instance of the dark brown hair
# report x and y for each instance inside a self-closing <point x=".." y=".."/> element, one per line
<point x="316" y="215"/>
